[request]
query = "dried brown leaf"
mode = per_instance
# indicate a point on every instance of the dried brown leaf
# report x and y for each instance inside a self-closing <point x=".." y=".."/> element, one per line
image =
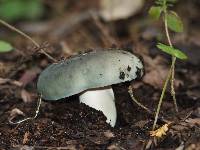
<point x="3" y="81"/>
<point x="156" y="72"/>
<point x="26" y="96"/>
<point x="113" y="147"/>
<point x="26" y="137"/>
<point x="29" y="76"/>
<point x="195" y="121"/>
<point x="193" y="147"/>
<point x="108" y="134"/>
<point x="14" y="82"/>
<point x="14" y="113"/>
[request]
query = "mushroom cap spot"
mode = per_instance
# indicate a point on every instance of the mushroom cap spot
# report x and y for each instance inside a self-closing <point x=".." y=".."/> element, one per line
<point x="87" y="71"/>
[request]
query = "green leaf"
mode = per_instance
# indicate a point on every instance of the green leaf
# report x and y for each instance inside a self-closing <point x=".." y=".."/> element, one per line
<point x="13" y="10"/>
<point x="5" y="47"/>
<point x="172" y="51"/>
<point x="154" y="12"/>
<point x="174" y="22"/>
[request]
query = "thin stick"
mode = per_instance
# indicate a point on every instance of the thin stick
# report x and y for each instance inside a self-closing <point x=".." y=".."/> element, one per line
<point x="27" y="37"/>
<point x="130" y="91"/>
<point x="173" y="67"/>
<point x="162" y="94"/>
<point x="173" y="93"/>
<point x="167" y="31"/>
<point x="108" y="40"/>
<point x="30" y="118"/>
<point x="161" y="98"/>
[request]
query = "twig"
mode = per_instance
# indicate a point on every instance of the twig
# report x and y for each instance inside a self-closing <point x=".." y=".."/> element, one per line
<point x="173" y="93"/>
<point x="30" y="118"/>
<point x="107" y="38"/>
<point x="187" y="116"/>
<point x="161" y="98"/>
<point x="27" y="37"/>
<point x="167" y="31"/>
<point x="173" y="67"/>
<point x="130" y="91"/>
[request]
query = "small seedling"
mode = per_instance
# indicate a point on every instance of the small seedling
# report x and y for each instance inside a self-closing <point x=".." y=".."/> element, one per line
<point x="173" y="22"/>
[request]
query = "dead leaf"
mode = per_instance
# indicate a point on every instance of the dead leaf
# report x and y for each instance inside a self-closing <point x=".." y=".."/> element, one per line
<point x="67" y="51"/>
<point x="29" y="76"/>
<point x="193" y="147"/>
<point x="141" y="123"/>
<point x="179" y="127"/>
<point x="26" y="137"/>
<point x="156" y="72"/>
<point x="3" y="81"/>
<point x="113" y="147"/>
<point x="14" y="113"/>
<point x="195" y="121"/>
<point x="109" y="134"/>
<point x="161" y="131"/>
<point x="26" y="97"/>
<point x="101" y="137"/>
<point x="14" y="82"/>
<point x="119" y="9"/>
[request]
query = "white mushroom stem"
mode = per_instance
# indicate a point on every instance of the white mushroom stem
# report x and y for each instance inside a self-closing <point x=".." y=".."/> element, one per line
<point x="101" y="99"/>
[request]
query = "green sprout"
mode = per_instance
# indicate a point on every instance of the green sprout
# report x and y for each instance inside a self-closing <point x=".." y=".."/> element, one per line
<point x="173" y="22"/>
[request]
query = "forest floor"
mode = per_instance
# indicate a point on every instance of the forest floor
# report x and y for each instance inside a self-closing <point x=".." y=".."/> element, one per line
<point x="67" y="124"/>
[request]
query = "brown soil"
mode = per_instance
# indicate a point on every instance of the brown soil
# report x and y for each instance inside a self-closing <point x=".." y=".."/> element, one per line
<point x="67" y="124"/>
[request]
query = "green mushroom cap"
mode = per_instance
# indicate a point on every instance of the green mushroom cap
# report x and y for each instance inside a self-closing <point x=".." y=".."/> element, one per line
<point x="87" y="71"/>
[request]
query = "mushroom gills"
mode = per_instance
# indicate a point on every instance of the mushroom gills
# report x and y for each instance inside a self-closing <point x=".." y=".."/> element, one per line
<point x="101" y="99"/>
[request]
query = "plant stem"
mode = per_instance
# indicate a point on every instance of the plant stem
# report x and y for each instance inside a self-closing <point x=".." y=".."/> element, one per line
<point x="166" y="30"/>
<point x="30" y="118"/>
<point x="173" y="60"/>
<point x="173" y="93"/>
<point x="161" y="98"/>
<point x="169" y="76"/>
<point x="28" y="37"/>
<point x="130" y="91"/>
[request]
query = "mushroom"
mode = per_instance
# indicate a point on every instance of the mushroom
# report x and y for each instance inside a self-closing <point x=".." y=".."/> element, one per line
<point x="91" y="75"/>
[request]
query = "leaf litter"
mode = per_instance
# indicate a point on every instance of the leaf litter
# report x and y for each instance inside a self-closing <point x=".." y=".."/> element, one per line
<point x="68" y="124"/>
